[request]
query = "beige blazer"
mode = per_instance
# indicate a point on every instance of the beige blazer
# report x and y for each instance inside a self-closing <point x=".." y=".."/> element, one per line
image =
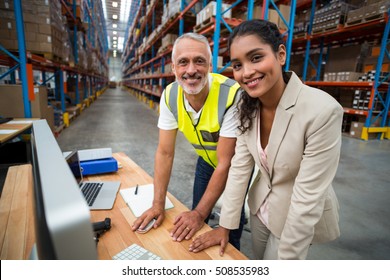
<point x="303" y="154"/>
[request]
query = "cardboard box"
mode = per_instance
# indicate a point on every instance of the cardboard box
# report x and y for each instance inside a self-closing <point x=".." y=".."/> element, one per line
<point x="168" y="39"/>
<point x="285" y="11"/>
<point x="211" y="8"/>
<point x="11" y="103"/>
<point x="273" y="16"/>
<point x="356" y="129"/>
<point x="343" y="59"/>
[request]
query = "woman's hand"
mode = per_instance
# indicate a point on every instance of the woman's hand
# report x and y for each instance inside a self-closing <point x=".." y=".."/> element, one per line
<point x="214" y="237"/>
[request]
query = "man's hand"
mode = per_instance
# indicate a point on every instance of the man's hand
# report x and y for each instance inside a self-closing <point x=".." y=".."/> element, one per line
<point x="186" y="225"/>
<point x="214" y="237"/>
<point x="147" y="216"/>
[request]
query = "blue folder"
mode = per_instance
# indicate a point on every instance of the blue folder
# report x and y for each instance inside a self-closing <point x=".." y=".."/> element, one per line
<point x="99" y="166"/>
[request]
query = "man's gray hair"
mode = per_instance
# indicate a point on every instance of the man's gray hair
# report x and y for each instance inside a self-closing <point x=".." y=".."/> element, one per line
<point x="193" y="36"/>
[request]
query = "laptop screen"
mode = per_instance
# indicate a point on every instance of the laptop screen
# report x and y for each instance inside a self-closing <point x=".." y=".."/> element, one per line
<point x="74" y="164"/>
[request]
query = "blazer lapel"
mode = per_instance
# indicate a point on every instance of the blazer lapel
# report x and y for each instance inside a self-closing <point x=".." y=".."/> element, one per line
<point x="253" y="139"/>
<point x="283" y="115"/>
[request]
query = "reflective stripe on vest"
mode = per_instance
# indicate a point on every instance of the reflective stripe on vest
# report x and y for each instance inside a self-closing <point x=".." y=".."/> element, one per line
<point x="204" y="135"/>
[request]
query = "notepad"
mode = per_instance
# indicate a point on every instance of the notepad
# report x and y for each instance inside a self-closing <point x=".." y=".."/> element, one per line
<point x="142" y="201"/>
<point x="7" y="131"/>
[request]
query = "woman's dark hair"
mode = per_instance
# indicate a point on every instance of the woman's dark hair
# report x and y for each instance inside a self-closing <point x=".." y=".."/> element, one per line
<point x="269" y="34"/>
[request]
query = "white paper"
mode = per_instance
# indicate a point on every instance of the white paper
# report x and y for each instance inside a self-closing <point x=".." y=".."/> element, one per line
<point x="142" y="201"/>
<point x="8" y="131"/>
<point x="20" y="122"/>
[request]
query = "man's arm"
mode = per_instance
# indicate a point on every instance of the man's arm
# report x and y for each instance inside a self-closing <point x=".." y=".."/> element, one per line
<point x="188" y="223"/>
<point x="162" y="171"/>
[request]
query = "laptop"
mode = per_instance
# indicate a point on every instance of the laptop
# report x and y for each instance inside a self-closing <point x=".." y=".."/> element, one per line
<point x="100" y="195"/>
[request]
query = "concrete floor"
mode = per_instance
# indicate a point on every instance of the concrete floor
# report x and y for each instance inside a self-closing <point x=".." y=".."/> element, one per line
<point x="120" y="121"/>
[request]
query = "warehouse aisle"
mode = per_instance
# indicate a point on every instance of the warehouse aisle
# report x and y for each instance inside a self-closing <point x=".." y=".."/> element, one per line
<point x="120" y="121"/>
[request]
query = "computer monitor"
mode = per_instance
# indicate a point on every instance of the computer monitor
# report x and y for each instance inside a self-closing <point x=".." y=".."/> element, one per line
<point x="63" y="227"/>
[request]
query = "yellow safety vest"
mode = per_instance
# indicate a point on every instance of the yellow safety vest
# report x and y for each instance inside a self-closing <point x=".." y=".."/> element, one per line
<point x="205" y="134"/>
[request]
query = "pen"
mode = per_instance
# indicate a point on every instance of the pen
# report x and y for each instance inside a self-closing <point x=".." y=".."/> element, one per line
<point x="136" y="190"/>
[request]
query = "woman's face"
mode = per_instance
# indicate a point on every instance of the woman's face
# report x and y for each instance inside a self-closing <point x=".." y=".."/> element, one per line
<point x="256" y="67"/>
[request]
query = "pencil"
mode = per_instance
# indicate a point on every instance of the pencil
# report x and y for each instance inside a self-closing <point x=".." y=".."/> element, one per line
<point x="136" y="190"/>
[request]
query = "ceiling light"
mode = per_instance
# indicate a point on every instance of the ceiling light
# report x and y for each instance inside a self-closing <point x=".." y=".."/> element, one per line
<point x="114" y="38"/>
<point x="114" y="54"/>
<point x="125" y="10"/>
<point x="115" y="4"/>
<point x="114" y="25"/>
<point x="115" y="16"/>
<point x="114" y="32"/>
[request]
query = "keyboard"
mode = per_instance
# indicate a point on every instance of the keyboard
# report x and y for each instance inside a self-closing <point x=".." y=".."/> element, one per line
<point x="135" y="252"/>
<point x="90" y="191"/>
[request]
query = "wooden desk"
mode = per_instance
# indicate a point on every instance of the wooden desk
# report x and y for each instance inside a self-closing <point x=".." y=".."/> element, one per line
<point x="17" y="125"/>
<point x="16" y="219"/>
<point x="17" y="229"/>
<point x="157" y="240"/>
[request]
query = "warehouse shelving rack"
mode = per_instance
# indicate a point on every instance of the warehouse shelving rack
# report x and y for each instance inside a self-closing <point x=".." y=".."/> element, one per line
<point x="149" y="58"/>
<point x="27" y="61"/>
<point x="380" y="90"/>
<point x="218" y="25"/>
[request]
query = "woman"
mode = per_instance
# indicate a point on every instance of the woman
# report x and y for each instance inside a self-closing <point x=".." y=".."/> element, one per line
<point x="292" y="133"/>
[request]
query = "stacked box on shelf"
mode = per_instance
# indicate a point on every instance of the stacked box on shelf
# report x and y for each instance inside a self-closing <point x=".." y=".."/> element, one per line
<point x="330" y="16"/>
<point x="93" y="63"/>
<point x="44" y="29"/>
<point x="356" y="16"/>
<point x="376" y="9"/>
<point x="301" y="23"/>
<point x="81" y="52"/>
<point x="79" y="8"/>
<point x="343" y="58"/>
<point x="274" y="17"/>
<point x="370" y="63"/>
<point x="168" y="40"/>
<point x="210" y="11"/>
<point x="11" y="103"/>
<point x="164" y="17"/>
<point x="173" y="8"/>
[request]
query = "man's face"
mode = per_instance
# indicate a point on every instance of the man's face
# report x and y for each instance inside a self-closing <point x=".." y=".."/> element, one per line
<point x="191" y="65"/>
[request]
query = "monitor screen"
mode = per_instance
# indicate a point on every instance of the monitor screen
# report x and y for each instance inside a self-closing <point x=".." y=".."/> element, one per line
<point x="63" y="226"/>
<point x="74" y="164"/>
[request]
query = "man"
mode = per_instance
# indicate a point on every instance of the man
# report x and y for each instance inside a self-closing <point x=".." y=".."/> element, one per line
<point x="202" y="106"/>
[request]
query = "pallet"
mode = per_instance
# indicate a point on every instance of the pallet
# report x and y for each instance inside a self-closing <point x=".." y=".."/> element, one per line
<point x="208" y="22"/>
<point x="329" y="29"/>
<point x="365" y="20"/>
<point x="166" y="48"/>
<point x="50" y="56"/>
<point x="173" y="17"/>
<point x="299" y="35"/>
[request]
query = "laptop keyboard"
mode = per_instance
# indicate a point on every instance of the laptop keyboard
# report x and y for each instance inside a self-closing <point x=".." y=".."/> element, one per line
<point x="90" y="191"/>
<point x="135" y="252"/>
